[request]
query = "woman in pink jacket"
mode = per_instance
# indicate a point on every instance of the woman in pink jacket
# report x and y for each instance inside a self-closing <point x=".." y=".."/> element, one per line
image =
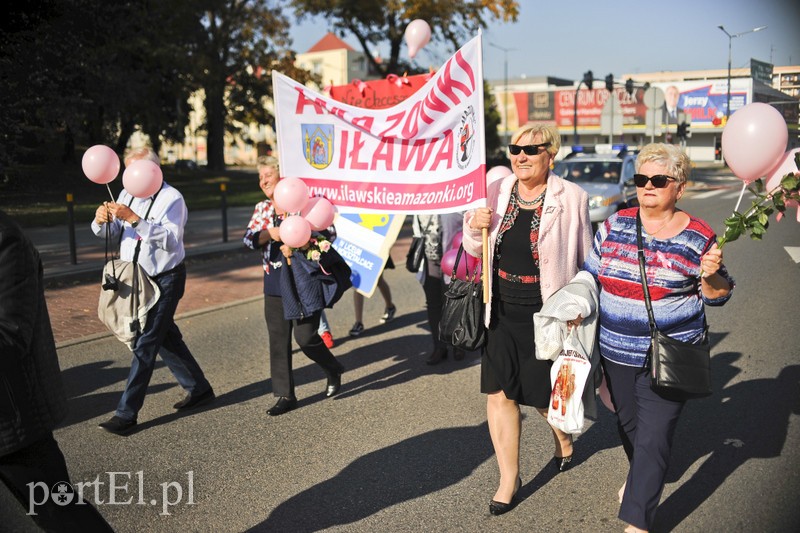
<point x="539" y="235"/>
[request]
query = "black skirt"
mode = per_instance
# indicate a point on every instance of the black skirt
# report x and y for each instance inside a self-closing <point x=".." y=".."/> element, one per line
<point x="509" y="360"/>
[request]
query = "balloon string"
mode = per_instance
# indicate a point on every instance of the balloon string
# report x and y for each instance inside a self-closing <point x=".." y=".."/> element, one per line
<point x="741" y="194"/>
<point x="109" y="192"/>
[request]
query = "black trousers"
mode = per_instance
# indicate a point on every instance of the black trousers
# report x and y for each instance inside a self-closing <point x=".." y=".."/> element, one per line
<point x="41" y="463"/>
<point x="646" y="423"/>
<point x="434" y="300"/>
<point x="280" y="346"/>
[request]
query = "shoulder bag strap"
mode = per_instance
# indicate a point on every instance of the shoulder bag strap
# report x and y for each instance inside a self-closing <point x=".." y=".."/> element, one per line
<point x="643" y="271"/>
<point x="428" y="225"/>
<point x="135" y="325"/>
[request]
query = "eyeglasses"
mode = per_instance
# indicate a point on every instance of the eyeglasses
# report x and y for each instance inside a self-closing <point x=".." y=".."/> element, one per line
<point x="529" y="149"/>
<point x="659" y="181"/>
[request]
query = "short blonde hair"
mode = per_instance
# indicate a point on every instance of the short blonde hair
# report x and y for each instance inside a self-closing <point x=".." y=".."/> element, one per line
<point x="144" y="152"/>
<point x="549" y="135"/>
<point x="268" y="161"/>
<point x="671" y="157"/>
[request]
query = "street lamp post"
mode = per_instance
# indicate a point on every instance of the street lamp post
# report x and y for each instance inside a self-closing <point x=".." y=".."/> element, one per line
<point x="730" y="41"/>
<point x="505" y="88"/>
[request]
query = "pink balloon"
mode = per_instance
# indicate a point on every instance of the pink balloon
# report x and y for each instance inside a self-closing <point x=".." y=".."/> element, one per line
<point x="319" y="212"/>
<point x="295" y="231"/>
<point x="496" y="173"/>
<point x="100" y="164"/>
<point x="475" y="266"/>
<point x="456" y="242"/>
<point x="142" y="178"/>
<point x="754" y="140"/>
<point x="449" y="260"/>
<point x="417" y="35"/>
<point x="291" y="195"/>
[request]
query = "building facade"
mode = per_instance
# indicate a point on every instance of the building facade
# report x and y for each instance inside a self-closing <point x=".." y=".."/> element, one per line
<point x="688" y="108"/>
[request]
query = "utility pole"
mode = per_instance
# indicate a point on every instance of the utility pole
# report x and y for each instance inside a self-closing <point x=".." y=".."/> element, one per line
<point x="505" y="89"/>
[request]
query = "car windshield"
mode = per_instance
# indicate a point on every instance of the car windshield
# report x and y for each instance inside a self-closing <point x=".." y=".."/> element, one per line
<point x="586" y="171"/>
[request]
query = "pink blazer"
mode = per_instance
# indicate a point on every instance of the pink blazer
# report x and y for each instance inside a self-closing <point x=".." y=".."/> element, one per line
<point x="565" y="234"/>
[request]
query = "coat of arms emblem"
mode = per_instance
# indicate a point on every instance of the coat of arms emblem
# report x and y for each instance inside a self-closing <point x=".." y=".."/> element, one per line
<point x="318" y="144"/>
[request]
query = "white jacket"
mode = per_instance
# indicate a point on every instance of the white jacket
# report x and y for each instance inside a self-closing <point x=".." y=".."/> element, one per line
<point x="580" y="296"/>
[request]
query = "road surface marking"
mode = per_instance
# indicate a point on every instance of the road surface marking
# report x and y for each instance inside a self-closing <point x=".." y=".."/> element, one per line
<point x="794" y="252"/>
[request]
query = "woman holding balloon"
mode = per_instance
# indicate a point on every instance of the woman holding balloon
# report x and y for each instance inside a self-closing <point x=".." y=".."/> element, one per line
<point x="539" y="236"/>
<point x="264" y="233"/>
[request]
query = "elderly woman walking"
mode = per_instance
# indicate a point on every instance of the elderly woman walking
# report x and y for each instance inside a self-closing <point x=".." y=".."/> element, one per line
<point x="539" y="236"/>
<point x="677" y="247"/>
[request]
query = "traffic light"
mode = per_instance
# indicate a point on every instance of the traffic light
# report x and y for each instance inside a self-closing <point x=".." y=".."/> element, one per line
<point x="683" y="130"/>
<point x="610" y="82"/>
<point x="588" y="79"/>
<point x="629" y="86"/>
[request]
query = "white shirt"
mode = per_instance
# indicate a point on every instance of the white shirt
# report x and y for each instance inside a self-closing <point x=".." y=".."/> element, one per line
<point x="161" y="233"/>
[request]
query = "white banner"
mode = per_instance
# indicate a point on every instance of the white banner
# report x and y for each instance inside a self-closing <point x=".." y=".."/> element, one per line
<point x="425" y="155"/>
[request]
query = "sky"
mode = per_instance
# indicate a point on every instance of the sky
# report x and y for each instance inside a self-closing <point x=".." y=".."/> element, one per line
<point x="565" y="39"/>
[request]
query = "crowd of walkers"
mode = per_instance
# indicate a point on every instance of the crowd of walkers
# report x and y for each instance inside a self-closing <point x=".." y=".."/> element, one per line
<point x="540" y="242"/>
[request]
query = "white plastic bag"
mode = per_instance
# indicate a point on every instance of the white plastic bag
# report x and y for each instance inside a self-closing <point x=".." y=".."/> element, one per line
<point x="548" y="337"/>
<point x="568" y="378"/>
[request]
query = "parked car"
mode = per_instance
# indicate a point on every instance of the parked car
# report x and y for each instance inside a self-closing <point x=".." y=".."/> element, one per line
<point x="606" y="173"/>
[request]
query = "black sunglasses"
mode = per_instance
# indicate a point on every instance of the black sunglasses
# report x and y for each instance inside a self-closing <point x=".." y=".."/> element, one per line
<point x="529" y="149"/>
<point x="659" y="181"/>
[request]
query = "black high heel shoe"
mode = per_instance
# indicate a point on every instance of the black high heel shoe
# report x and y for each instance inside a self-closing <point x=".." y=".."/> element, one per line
<point x="562" y="464"/>
<point x="497" y="508"/>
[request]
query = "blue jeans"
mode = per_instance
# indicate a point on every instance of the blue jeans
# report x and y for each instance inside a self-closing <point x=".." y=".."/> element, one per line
<point x="161" y="336"/>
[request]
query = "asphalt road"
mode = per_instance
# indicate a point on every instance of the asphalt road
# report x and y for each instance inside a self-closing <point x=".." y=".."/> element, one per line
<point x="405" y="446"/>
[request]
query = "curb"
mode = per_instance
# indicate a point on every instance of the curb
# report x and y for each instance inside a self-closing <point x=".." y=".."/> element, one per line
<point x="188" y="314"/>
<point x="60" y="273"/>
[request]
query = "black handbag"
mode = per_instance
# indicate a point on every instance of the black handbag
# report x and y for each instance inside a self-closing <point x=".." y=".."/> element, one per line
<point x="462" y="312"/>
<point x="417" y="250"/>
<point x="678" y="370"/>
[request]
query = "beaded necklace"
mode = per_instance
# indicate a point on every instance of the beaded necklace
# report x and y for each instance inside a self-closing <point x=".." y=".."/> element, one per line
<point x="527" y="203"/>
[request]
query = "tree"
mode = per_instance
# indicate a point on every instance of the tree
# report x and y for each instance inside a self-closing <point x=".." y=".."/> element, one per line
<point x="90" y="72"/>
<point x="491" y="121"/>
<point x="373" y="22"/>
<point x="242" y="41"/>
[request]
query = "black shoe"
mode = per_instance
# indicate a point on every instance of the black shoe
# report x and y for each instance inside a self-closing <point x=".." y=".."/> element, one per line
<point x="562" y="464"/>
<point x="118" y="426"/>
<point x="437" y="356"/>
<point x="388" y="314"/>
<point x="195" y="401"/>
<point x="497" y="508"/>
<point x="458" y="354"/>
<point x="334" y="384"/>
<point x="283" y="405"/>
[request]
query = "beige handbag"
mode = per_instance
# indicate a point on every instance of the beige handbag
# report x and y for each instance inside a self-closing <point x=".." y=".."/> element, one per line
<point x="127" y="293"/>
<point x="123" y="306"/>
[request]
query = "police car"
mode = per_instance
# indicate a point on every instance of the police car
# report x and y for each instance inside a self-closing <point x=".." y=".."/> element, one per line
<point x="605" y="172"/>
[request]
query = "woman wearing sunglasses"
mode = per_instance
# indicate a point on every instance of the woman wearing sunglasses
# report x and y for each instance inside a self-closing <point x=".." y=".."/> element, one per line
<point x="677" y="248"/>
<point x="539" y="236"/>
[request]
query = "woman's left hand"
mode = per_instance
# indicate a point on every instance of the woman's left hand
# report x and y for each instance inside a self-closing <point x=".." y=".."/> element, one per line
<point x="711" y="260"/>
<point x="574" y="323"/>
<point x="286" y="250"/>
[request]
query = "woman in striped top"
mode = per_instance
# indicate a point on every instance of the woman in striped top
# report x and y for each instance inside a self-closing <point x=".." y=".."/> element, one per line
<point x="677" y="248"/>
